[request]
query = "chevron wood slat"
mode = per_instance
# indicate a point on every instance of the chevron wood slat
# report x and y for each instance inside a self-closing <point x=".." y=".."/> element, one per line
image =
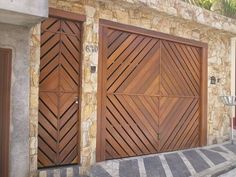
<point x="51" y="24"/>
<point x="47" y="137"/>
<point x="59" y="93"/>
<point x="42" y="158"/>
<point x="71" y="27"/>
<point x="150" y="93"/>
<point x="49" y="44"/>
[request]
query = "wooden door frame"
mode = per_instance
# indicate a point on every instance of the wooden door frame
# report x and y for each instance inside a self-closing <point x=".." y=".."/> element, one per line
<point x="103" y="24"/>
<point x="61" y="14"/>
<point x="53" y="12"/>
<point x="6" y="124"/>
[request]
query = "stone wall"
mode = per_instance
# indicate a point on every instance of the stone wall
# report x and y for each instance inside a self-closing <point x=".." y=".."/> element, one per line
<point x="34" y="96"/>
<point x="127" y="12"/>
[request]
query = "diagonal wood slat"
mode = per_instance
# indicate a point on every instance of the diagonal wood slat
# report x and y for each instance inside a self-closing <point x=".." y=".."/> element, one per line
<point x="59" y="92"/>
<point x="116" y="43"/>
<point x="172" y="130"/>
<point x="140" y="125"/>
<point x="128" y="131"/>
<point x="131" y="67"/>
<point x="119" y="61"/>
<point x="180" y="65"/>
<point x="147" y="68"/>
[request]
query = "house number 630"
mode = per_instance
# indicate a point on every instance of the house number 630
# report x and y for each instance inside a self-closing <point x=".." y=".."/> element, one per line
<point x="91" y="48"/>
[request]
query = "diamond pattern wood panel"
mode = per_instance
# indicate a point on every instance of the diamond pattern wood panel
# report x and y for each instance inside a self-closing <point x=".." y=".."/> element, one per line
<point x="150" y="94"/>
<point x="59" y="93"/>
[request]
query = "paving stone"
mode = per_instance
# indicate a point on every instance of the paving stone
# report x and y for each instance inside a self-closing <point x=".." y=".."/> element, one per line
<point x="42" y="174"/>
<point x="231" y="147"/>
<point x="129" y="168"/>
<point x="76" y="171"/>
<point x="219" y="149"/>
<point x="69" y="172"/>
<point x="215" y="157"/>
<point x="142" y="169"/>
<point x="177" y="166"/>
<point x="196" y="160"/>
<point x="57" y="173"/>
<point x="98" y="171"/>
<point x="165" y="165"/>
<point x="50" y="173"/>
<point x="63" y="172"/>
<point x="231" y="173"/>
<point x="187" y="163"/>
<point x="154" y="167"/>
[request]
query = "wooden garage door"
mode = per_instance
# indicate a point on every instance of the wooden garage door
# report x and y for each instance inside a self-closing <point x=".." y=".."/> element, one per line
<point x="152" y="89"/>
<point x="58" y="139"/>
<point x="5" y="87"/>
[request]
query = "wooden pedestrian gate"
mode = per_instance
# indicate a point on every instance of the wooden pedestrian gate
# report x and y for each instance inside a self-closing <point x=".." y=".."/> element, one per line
<point x="58" y="139"/>
<point x="152" y="92"/>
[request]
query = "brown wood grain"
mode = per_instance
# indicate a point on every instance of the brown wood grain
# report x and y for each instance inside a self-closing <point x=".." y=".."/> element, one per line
<point x="152" y="92"/>
<point x="58" y="13"/>
<point x="5" y="87"/>
<point x="59" y="89"/>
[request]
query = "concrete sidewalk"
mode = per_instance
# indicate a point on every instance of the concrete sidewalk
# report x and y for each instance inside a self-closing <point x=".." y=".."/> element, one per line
<point x="199" y="162"/>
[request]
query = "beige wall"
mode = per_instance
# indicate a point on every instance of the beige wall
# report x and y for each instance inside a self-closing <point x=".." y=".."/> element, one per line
<point x="219" y="65"/>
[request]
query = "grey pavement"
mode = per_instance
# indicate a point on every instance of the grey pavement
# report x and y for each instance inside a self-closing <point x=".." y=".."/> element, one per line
<point x="197" y="162"/>
<point x="64" y="171"/>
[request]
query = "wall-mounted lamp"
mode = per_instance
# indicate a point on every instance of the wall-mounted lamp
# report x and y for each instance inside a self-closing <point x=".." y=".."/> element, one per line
<point x="213" y="80"/>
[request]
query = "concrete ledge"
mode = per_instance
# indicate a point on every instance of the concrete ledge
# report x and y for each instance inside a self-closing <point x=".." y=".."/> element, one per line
<point x="15" y="18"/>
<point x="23" y="12"/>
